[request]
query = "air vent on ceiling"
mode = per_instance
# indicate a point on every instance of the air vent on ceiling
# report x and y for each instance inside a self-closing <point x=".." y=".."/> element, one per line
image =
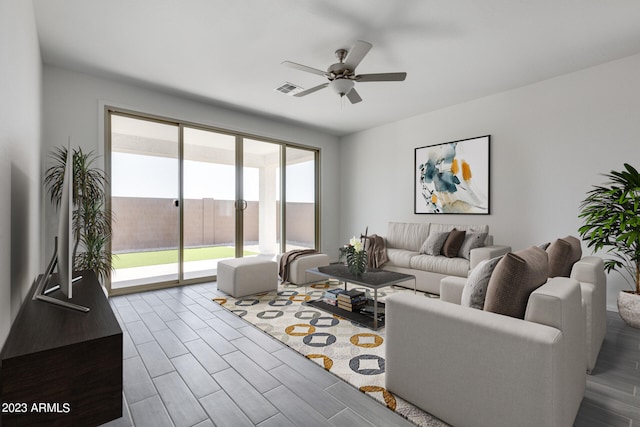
<point x="288" y="88"/>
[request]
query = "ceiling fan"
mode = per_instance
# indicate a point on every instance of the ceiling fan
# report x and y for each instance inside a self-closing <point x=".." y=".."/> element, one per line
<point x="342" y="75"/>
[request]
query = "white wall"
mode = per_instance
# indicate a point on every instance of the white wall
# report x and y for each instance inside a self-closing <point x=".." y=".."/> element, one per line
<point x="549" y="143"/>
<point x="73" y="106"/>
<point x="20" y="160"/>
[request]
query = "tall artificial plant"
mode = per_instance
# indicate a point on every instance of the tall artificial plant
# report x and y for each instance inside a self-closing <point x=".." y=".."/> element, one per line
<point x="91" y="218"/>
<point x="612" y="222"/>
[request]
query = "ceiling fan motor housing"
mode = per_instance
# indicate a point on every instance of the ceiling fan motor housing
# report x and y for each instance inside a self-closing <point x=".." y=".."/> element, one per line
<point x="339" y="70"/>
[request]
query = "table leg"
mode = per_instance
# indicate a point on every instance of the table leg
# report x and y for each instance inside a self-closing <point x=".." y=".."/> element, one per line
<point x="415" y="285"/>
<point x="375" y="308"/>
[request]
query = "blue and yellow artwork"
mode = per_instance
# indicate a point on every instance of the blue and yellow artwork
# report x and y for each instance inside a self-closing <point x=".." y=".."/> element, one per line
<point x="453" y="177"/>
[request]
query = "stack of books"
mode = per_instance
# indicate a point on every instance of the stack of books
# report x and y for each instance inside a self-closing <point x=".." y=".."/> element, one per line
<point x="331" y="296"/>
<point x="352" y="300"/>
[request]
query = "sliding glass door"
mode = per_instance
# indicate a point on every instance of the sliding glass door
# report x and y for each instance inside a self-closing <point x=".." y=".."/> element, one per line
<point x="261" y="188"/>
<point x="209" y="194"/>
<point x="300" y="192"/>
<point x="145" y="175"/>
<point x="185" y="197"/>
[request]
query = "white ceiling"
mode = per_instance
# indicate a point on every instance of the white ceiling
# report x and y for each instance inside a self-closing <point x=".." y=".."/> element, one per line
<point x="229" y="52"/>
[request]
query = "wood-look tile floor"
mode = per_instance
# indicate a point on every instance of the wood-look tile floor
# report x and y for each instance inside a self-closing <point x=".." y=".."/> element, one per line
<point x="189" y="362"/>
<point x="613" y="389"/>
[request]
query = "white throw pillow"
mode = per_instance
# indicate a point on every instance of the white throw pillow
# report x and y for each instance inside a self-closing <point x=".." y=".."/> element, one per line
<point x="433" y="244"/>
<point x="475" y="290"/>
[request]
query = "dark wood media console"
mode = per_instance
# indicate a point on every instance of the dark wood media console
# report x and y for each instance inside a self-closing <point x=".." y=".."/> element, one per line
<point x="61" y="367"/>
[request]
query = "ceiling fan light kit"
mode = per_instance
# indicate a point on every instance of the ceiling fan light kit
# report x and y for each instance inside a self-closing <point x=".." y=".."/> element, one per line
<point x="342" y="86"/>
<point x="341" y="75"/>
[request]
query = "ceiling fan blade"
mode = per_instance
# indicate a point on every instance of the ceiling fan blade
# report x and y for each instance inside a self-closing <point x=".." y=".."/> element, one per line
<point x="305" y="68"/>
<point x="353" y="96"/>
<point x="311" y="90"/>
<point x="382" y="77"/>
<point x="356" y="54"/>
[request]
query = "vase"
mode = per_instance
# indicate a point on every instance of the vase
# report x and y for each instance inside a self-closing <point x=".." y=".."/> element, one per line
<point x="629" y="308"/>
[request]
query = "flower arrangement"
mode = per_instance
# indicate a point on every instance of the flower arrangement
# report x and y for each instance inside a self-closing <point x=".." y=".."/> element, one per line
<point x="356" y="256"/>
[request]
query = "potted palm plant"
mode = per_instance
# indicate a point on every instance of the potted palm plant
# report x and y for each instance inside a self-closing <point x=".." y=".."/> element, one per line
<point x="91" y="218"/>
<point x="612" y="222"/>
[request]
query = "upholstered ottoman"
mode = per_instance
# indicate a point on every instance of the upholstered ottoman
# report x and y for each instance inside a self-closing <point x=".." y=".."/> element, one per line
<point x="298" y="274"/>
<point x="246" y="276"/>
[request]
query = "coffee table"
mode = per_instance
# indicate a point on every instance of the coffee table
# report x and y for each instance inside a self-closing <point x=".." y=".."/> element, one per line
<point x="373" y="278"/>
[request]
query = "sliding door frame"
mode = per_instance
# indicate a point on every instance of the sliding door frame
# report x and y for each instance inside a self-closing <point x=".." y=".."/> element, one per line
<point x="110" y="110"/>
<point x="239" y="202"/>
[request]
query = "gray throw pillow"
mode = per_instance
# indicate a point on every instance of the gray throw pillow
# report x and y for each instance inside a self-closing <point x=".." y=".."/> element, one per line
<point x="452" y="244"/>
<point x="433" y="244"/>
<point x="475" y="290"/>
<point x="471" y="241"/>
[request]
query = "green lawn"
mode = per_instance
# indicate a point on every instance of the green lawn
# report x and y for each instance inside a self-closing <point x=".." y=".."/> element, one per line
<point x="142" y="259"/>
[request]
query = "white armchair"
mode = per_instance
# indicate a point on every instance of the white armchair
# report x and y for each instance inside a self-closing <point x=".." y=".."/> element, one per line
<point x="589" y="271"/>
<point x="475" y="368"/>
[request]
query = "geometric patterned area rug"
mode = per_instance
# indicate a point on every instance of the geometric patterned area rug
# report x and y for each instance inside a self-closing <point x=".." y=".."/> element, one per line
<point x="352" y="352"/>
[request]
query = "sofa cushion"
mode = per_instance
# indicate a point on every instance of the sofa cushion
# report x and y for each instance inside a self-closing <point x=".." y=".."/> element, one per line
<point x="472" y="240"/>
<point x="400" y="257"/>
<point x="407" y="235"/>
<point x="475" y="289"/>
<point x="441" y="264"/>
<point x="563" y="253"/>
<point x="453" y="243"/>
<point x="516" y="275"/>
<point x="433" y="244"/>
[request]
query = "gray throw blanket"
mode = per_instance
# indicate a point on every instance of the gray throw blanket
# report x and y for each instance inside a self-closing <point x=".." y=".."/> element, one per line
<point x="377" y="251"/>
<point x="288" y="257"/>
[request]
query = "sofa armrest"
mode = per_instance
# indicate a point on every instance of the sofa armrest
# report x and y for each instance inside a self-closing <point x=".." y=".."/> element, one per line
<point x="451" y="288"/>
<point x="473" y="362"/>
<point x="487" y="252"/>
<point x="589" y="271"/>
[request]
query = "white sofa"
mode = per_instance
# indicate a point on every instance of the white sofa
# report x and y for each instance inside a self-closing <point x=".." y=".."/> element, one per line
<point x="404" y="240"/>
<point x="589" y="272"/>
<point x="470" y="367"/>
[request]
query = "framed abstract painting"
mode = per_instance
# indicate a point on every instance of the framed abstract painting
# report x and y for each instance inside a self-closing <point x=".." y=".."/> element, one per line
<point x="453" y="177"/>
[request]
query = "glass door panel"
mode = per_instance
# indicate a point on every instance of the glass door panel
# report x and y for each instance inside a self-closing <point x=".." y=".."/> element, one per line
<point x="209" y="194"/>
<point x="185" y="197"/>
<point x="144" y="200"/>
<point x="300" y="195"/>
<point x="261" y="191"/>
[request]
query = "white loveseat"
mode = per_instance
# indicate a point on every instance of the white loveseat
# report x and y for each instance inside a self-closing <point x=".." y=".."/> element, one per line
<point x="471" y="367"/>
<point x="589" y="272"/>
<point x="404" y="241"/>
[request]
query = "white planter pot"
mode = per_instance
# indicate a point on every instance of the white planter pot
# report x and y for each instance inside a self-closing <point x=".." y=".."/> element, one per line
<point x="629" y="308"/>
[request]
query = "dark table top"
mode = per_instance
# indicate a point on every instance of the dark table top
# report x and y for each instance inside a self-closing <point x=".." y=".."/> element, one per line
<point x="372" y="278"/>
